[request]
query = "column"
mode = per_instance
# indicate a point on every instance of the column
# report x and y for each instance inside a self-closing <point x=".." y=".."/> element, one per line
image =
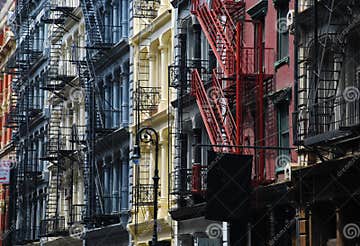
<point x="107" y="25"/>
<point x="38" y="215"/>
<point x="124" y="188"/>
<point x="163" y="168"/>
<point x="163" y="75"/>
<point x="31" y="218"/>
<point x="115" y="188"/>
<point x="41" y="140"/>
<point x="124" y="18"/>
<point x="106" y="186"/>
<point x="125" y="99"/>
<point x="116" y="103"/>
<point x="106" y="103"/>
<point x="115" y="22"/>
<point x="119" y="22"/>
<point x="152" y="69"/>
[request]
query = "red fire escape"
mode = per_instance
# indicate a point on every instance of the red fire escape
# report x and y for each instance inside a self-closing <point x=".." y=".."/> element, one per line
<point x="240" y="66"/>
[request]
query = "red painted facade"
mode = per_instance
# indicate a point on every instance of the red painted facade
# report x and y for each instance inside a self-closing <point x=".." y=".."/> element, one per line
<point x="247" y="80"/>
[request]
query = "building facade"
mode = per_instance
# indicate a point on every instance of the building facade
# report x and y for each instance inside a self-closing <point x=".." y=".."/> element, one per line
<point x="7" y="47"/>
<point x="227" y="109"/>
<point x="70" y="123"/>
<point x="250" y="110"/>
<point x="151" y="42"/>
<point x="327" y="132"/>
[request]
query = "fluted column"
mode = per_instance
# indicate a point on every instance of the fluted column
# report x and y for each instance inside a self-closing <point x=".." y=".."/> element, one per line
<point x="106" y="103"/>
<point x="164" y="168"/>
<point x="163" y="75"/>
<point x="38" y="213"/>
<point x="124" y="18"/>
<point x="115" y="22"/>
<point x="115" y="188"/>
<point x="116" y="103"/>
<point x="152" y="69"/>
<point x="124" y="187"/>
<point x="41" y="151"/>
<point x="106" y="186"/>
<point x="125" y="99"/>
<point x="107" y="26"/>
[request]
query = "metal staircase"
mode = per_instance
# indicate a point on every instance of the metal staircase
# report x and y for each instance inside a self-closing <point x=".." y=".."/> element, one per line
<point x="56" y="79"/>
<point x="219" y="121"/>
<point x="93" y="24"/>
<point x="219" y="29"/>
<point x="53" y="146"/>
<point x="321" y="107"/>
<point x="94" y="104"/>
<point x="243" y="72"/>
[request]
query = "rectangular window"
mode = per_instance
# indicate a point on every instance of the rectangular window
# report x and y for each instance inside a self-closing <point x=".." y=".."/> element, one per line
<point x="282" y="31"/>
<point x="283" y="128"/>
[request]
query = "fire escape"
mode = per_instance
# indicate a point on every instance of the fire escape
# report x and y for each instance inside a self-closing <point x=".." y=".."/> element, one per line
<point x="95" y="107"/>
<point x="54" y="82"/>
<point x="241" y="71"/>
<point x="146" y="102"/>
<point x="321" y="107"/>
<point x="22" y="110"/>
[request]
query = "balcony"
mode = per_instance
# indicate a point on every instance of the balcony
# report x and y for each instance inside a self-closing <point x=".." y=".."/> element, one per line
<point x="328" y="120"/>
<point x="147" y="99"/>
<point x="189" y="183"/>
<point x="53" y="227"/>
<point x="143" y="195"/>
<point x="77" y="213"/>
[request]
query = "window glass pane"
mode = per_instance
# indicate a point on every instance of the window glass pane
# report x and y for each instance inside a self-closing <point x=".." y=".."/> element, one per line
<point x="283" y="34"/>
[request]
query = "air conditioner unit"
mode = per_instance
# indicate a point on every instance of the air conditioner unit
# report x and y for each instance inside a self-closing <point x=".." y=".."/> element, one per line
<point x="287" y="171"/>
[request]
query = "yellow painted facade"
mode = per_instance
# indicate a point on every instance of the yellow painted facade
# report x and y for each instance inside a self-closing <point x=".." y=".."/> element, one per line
<point x="152" y="45"/>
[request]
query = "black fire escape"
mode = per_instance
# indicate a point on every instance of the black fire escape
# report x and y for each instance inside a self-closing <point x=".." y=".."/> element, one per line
<point x="97" y="51"/>
<point x="22" y="110"/>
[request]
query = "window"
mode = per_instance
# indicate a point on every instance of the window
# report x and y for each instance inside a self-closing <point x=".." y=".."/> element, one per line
<point x="283" y="127"/>
<point x="282" y="30"/>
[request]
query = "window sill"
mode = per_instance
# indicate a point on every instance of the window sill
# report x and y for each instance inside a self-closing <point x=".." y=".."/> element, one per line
<point x="282" y="62"/>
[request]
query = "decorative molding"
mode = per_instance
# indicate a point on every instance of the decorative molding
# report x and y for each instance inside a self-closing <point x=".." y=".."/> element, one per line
<point x="259" y="10"/>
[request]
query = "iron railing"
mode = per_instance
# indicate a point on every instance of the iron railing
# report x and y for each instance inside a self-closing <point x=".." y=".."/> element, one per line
<point x="52" y="227"/>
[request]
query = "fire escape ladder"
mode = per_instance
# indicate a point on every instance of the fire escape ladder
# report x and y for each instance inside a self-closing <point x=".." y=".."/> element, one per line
<point x="53" y="195"/>
<point x="53" y="145"/>
<point x="209" y="115"/>
<point x="217" y="35"/>
<point x="219" y="27"/>
<point x="223" y="111"/>
<point x="57" y="76"/>
<point x="87" y="81"/>
<point x="93" y="23"/>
